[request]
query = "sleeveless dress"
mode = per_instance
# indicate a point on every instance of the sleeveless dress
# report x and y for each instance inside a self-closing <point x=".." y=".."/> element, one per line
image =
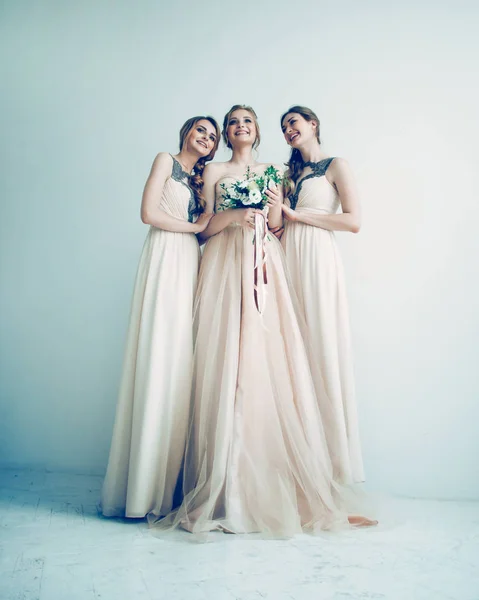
<point x="151" y="422"/>
<point x="257" y="459"/>
<point x="316" y="269"/>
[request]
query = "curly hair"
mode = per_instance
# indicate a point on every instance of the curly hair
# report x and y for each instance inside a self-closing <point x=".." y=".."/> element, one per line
<point x="226" y="121"/>
<point x="196" y="178"/>
<point x="296" y="163"/>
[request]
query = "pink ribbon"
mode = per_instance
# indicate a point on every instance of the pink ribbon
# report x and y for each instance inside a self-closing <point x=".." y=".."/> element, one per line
<point x="260" y="274"/>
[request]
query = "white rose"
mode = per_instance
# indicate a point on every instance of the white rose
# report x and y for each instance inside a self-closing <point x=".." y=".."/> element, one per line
<point x="255" y="197"/>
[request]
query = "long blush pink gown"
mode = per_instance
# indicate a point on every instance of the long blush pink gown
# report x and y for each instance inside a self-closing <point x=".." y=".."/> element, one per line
<point x="257" y="458"/>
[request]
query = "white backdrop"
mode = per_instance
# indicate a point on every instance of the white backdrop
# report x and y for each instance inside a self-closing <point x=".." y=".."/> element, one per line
<point x="91" y="90"/>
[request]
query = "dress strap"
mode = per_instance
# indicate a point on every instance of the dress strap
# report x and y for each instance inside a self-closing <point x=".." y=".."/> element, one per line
<point x="318" y="169"/>
<point x="181" y="176"/>
<point x="177" y="172"/>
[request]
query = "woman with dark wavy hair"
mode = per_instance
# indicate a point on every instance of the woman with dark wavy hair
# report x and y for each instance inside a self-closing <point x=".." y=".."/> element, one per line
<point x="317" y="186"/>
<point x="153" y="407"/>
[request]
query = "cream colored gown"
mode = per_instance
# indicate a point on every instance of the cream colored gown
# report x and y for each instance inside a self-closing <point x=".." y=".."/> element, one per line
<point x="151" y="422"/>
<point x="257" y="459"/>
<point x="316" y="269"/>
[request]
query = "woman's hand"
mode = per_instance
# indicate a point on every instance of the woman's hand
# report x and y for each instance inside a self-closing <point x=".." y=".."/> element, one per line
<point x="275" y="195"/>
<point x="202" y="222"/>
<point x="245" y="216"/>
<point x="289" y="213"/>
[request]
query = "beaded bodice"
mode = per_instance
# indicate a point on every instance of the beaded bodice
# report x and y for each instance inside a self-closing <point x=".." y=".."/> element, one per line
<point x="318" y="169"/>
<point x="181" y="176"/>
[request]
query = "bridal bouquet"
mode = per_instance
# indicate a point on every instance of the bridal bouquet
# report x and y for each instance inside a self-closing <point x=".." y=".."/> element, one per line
<point x="250" y="192"/>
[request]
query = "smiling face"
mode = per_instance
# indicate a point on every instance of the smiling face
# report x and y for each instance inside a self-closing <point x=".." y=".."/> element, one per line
<point x="202" y="139"/>
<point x="297" y="130"/>
<point x="240" y="128"/>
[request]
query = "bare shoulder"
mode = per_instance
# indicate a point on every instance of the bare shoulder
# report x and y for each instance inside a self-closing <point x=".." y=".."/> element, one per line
<point x="162" y="166"/>
<point x="163" y="161"/>
<point x="215" y="167"/>
<point x="338" y="169"/>
<point x="339" y="164"/>
<point x="163" y="158"/>
<point x="214" y="170"/>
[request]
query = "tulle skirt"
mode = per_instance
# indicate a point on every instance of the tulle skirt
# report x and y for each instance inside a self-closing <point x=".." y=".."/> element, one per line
<point x="257" y="458"/>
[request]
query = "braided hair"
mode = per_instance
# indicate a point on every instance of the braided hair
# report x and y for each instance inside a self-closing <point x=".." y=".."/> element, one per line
<point x="296" y="163"/>
<point x="196" y="178"/>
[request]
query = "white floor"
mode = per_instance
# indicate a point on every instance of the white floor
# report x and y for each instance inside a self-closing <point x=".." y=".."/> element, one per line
<point x="54" y="546"/>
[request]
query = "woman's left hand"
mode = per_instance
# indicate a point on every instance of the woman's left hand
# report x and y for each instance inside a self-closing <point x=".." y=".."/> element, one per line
<point x="289" y="213"/>
<point x="275" y="196"/>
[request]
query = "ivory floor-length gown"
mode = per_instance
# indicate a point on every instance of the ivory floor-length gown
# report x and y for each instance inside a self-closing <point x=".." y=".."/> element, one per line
<point x="316" y="270"/>
<point x="257" y="458"/>
<point x="149" y="436"/>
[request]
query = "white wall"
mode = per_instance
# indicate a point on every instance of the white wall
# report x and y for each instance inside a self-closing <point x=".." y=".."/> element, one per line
<point x="91" y="90"/>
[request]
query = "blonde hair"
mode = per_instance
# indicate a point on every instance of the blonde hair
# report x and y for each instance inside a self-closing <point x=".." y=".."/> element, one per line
<point x="226" y="121"/>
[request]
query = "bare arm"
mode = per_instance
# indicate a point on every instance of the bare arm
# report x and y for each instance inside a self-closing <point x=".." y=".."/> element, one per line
<point x="222" y="219"/>
<point x="340" y="176"/>
<point x="151" y="214"/>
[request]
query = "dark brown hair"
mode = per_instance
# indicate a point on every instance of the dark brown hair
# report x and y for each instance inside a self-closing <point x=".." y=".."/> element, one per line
<point x="296" y="163"/>
<point x="196" y="178"/>
<point x="226" y="121"/>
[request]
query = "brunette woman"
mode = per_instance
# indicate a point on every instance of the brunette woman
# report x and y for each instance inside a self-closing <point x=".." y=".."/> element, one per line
<point x="151" y="423"/>
<point x="318" y="185"/>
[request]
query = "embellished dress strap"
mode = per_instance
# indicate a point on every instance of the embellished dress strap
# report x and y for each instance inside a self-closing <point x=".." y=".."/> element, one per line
<point x="318" y="169"/>
<point x="181" y="176"/>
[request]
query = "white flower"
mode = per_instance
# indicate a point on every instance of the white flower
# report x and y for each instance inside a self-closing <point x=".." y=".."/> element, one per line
<point x="254" y="197"/>
<point x="272" y="185"/>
